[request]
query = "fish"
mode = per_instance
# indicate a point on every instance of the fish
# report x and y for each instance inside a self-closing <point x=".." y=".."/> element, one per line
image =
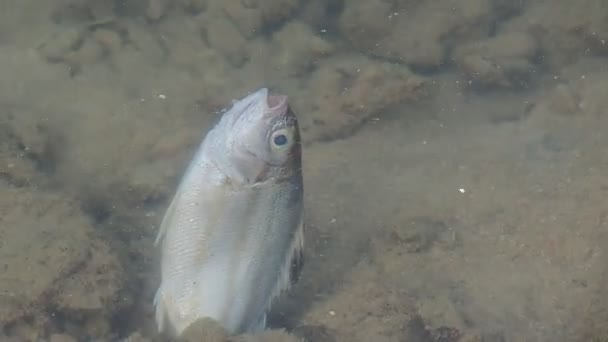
<point x="232" y="237"/>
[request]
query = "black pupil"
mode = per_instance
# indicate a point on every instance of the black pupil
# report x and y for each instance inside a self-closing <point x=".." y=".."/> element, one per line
<point x="280" y="140"/>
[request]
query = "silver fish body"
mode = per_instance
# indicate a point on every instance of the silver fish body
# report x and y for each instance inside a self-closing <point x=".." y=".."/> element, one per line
<point x="232" y="236"/>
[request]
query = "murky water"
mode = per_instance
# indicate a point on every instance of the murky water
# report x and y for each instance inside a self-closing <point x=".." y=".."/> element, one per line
<point x="454" y="156"/>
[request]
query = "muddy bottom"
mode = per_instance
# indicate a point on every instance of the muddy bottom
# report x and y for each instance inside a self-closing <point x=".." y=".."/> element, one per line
<point x="454" y="162"/>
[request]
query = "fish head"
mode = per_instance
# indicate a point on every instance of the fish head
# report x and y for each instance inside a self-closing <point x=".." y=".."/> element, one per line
<point x="262" y="138"/>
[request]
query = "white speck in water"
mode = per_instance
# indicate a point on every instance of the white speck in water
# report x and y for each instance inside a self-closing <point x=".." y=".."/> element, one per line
<point x="462" y="191"/>
<point x="162" y="96"/>
<point x="332" y="313"/>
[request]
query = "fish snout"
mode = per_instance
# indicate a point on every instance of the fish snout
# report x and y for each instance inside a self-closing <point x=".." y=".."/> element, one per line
<point x="277" y="105"/>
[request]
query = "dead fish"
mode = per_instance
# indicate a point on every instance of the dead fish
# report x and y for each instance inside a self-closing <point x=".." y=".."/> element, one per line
<point x="232" y="236"/>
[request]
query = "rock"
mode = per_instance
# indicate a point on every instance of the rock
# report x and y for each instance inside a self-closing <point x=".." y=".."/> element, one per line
<point x="316" y="333"/>
<point x="506" y="60"/>
<point x="345" y="92"/>
<point x="419" y="235"/>
<point x="359" y="311"/>
<point x="53" y="265"/>
<point x="565" y="30"/>
<point x="110" y="40"/>
<point x="194" y="7"/>
<point x="84" y="45"/>
<point x="296" y="49"/>
<point x="17" y="169"/>
<point x="247" y="19"/>
<point x="579" y="92"/>
<point x="204" y="329"/>
<point x="320" y="14"/>
<point x="415" y="32"/>
<point x="564" y="100"/>
<point x="61" y="338"/>
<point x="226" y="39"/>
<point x="251" y="16"/>
<point x="268" y="336"/>
<point x="156" y="9"/>
<point x="276" y="11"/>
<point x="27" y="138"/>
<point x="61" y="43"/>
<point x="209" y="330"/>
<point x="136" y="337"/>
<point x="101" y="10"/>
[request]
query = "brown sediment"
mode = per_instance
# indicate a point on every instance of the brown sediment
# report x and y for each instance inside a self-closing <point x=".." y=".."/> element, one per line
<point x="453" y="159"/>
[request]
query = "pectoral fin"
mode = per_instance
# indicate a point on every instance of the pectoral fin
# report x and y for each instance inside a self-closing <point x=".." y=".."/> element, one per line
<point x="297" y="258"/>
<point x="166" y="219"/>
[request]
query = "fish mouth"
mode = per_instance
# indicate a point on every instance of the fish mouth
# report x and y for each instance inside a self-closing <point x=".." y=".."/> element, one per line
<point x="276" y="105"/>
<point x="270" y="105"/>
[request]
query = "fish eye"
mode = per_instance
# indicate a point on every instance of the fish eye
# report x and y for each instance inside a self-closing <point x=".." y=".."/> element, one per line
<point x="281" y="138"/>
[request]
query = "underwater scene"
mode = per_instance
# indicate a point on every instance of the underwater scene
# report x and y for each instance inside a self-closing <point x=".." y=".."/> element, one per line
<point x="304" y="170"/>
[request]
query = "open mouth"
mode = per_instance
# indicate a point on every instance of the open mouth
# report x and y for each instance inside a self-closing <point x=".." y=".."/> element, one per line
<point x="277" y="104"/>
